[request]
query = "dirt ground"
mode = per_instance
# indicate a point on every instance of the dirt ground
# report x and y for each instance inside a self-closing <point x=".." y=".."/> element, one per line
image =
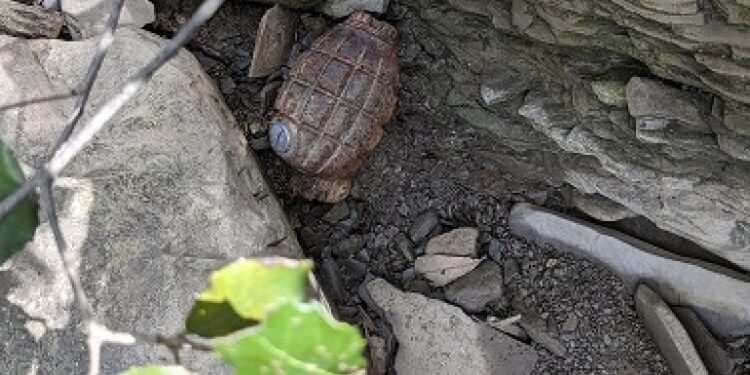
<point x="428" y="160"/>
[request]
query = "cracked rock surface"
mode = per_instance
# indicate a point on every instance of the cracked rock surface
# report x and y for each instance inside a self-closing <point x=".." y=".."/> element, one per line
<point x="164" y="195"/>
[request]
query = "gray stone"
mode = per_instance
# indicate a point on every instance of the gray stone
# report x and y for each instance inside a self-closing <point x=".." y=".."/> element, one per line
<point x="164" y="195"/>
<point x="501" y="18"/>
<point x="610" y="93"/>
<point x="495" y="250"/>
<point x="477" y="288"/>
<point x="670" y="336"/>
<point x="437" y="338"/>
<point x="403" y="209"/>
<point x="338" y="212"/>
<point x="601" y="208"/>
<point x="349" y="246"/>
<point x="571" y="323"/>
<point x="652" y="99"/>
<point x="535" y="327"/>
<point x="501" y="85"/>
<point x="441" y="270"/>
<point x="403" y="245"/>
<point x="718" y="294"/>
<point x="91" y="15"/>
<point x="735" y="145"/>
<point x="343" y="8"/>
<point x="353" y="268"/>
<point x="509" y="326"/>
<point x="423" y="225"/>
<point x="331" y="279"/>
<point x="510" y="270"/>
<point x="461" y="242"/>
<point x="274" y="41"/>
<point x="227" y="85"/>
<point x="715" y="358"/>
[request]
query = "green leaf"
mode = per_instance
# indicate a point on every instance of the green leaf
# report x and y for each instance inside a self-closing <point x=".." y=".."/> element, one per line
<point x="18" y="226"/>
<point x="158" y="370"/>
<point x="295" y="339"/>
<point x="211" y="319"/>
<point x="250" y="287"/>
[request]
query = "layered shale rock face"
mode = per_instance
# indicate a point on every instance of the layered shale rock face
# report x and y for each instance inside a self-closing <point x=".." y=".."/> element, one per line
<point x="645" y="102"/>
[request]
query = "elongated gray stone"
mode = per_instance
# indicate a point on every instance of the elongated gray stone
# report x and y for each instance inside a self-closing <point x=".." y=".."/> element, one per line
<point x="714" y="356"/>
<point x="718" y="294"/>
<point x="673" y="341"/>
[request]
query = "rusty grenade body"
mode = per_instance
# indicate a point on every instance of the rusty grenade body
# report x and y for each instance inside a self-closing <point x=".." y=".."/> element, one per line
<point x="332" y="109"/>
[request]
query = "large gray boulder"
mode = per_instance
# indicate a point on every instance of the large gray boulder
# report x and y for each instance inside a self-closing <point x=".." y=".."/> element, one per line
<point x="684" y="163"/>
<point x="164" y="195"/>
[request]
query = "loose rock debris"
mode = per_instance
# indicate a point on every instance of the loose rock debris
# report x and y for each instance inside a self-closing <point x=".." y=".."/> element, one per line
<point x="431" y="174"/>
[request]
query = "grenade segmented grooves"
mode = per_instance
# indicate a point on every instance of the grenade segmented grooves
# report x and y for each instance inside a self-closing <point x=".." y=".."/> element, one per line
<point x="340" y="93"/>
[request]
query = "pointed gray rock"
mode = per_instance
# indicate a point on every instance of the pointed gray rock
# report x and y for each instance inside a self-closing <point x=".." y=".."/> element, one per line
<point x="273" y="43"/>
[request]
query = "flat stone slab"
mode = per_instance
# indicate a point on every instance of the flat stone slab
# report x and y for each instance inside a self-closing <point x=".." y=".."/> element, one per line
<point x="668" y="333"/>
<point x="164" y="195"/>
<point x="719" y="295"/>
<point x="273" y="42"/>
<point x="441" y="270"/>
<point x="461" y="242"/>
<point x="437" y="338"/>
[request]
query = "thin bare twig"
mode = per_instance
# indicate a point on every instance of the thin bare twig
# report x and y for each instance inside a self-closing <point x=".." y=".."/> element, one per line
<point x="39" y="100"/>
<point x="93" y="71"/>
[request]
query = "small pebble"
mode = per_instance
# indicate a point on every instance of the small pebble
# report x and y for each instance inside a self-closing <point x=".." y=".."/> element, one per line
<point x="571" y="323"/>
<point x="408" y="275"/>
<point x="355" y="269"/>
<point x="338" y="212"/>
<point x="403" y="209"/>
<point x="494" y="250"/>
<point x="349" y="246"/>
<point x="424" y="225"/>
<point x="510" y="270"/>
<point x="403" y="245"/>
<point x="227" y="85"/>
